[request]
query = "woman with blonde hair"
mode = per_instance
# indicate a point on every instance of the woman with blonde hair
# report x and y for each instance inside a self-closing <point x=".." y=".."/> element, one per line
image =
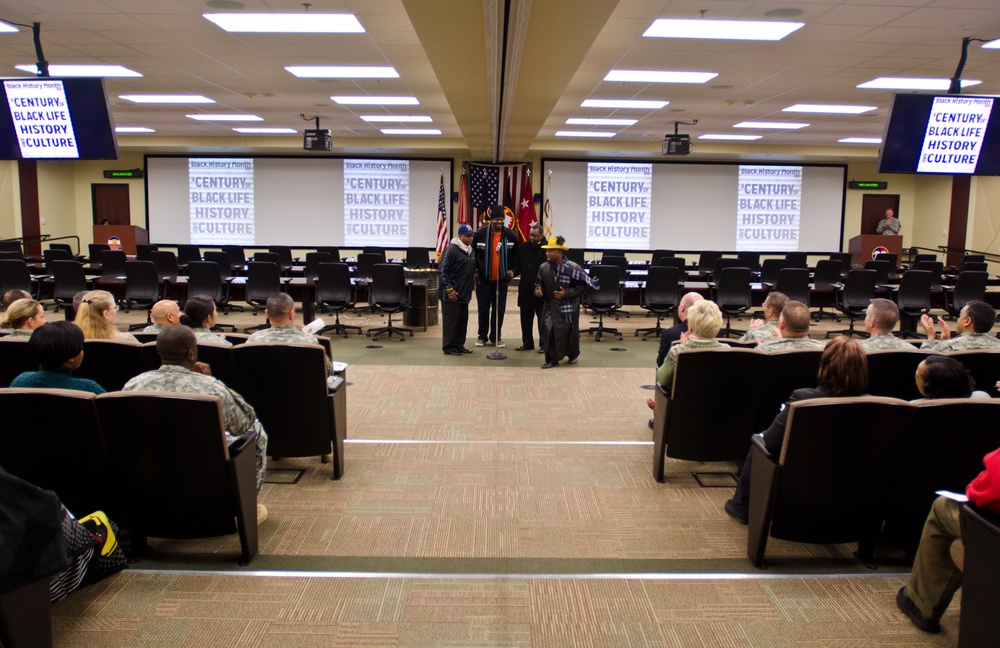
<point x="96" y="317"/>
<point x="24" y="316"/>
<point x="704" y="320"/>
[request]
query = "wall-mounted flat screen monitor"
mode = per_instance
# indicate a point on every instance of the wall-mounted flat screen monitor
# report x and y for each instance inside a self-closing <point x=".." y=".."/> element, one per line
<point x="43" y="118"/>
<point x="949" y="134"/>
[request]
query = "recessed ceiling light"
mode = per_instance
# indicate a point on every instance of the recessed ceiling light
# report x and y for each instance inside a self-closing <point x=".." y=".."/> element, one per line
<point x="210" y="117"/>
<point x="774" y="125"/>
<point x="133" y="129"/>
<point x="342" y="72"/>
<point x="587" y="121"/>
<point x="832" y="109"/>
<point x="411" y="131"/>
<point x="648" y="104"/>
<point x="7" y="29"/>
<point x="167" y="99"/>
<point x="660" y="76"/>
<point x="901" y="83"/>
<point x="396" y="118"/>
<point x="225" y="4"/>
<point x="288" y="23"/>
<point x="376" y="101"/>
<point x="721" y="29"/>
<point x="262" y="131"/>
<point x="783" y="13"/>
<point x="711" y="136"/>
<point x="861" y="140"/>
<point x="583" y="134"/>
<point x="58" y="70"/>
<point x="993" y="44"/>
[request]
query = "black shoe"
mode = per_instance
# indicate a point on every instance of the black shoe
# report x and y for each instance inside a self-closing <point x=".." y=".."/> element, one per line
<point x="572" y="360"/>
<point x="452" y="352"/>
<point x="524" y="348"/>
<point x="549" y="365"/>
<point x="464" y="350"/>
<point x="907" y="607"/>
<point x="650" y="424"/>
<point x="734" y="513"/>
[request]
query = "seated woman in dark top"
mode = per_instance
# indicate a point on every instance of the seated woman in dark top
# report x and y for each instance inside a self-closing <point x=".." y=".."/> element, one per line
<point x="944" y="377"/>
<point x="843" y="372"/>
<point x="58" y="347"/>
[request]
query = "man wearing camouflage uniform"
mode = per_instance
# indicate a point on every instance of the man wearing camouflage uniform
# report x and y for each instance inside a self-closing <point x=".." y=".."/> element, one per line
<point x="880" y="320"/>
<point x="973" y="326"/>
<point x="767" y="329"/>
<point x="181" y="372"/>
<point x="280" y="311"/>
<point x="793" y="329"/>
<point x="164" y="313"/>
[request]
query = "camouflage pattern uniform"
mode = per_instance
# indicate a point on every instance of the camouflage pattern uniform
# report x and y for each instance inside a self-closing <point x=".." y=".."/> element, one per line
<point x="885" y="342"/>
<point x="154" y="328"/>
<point x="126" y="337"/>
<point x="790" y="344"/>
<point x="22" y="334"/>
<point x="965" y="342"/>
<point x="767" y="331"/>
<point x="286" y="335"/>
<point x="665" y="374"/>
<point x="238" y="416"/>
<point x="207" y="336"/>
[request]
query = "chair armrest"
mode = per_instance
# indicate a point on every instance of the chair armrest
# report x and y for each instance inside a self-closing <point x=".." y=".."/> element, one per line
<point x="757" y="441"/>
<point x="242" y="442"/>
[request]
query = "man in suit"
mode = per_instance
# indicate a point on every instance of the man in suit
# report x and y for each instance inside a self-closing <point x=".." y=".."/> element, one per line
<point x="530" y="256"/>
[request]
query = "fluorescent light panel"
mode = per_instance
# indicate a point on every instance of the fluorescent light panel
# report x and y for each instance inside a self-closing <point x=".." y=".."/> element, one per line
<point x="832" y="109"/>
<point x="721" y="29"/>
<point x="7" y="29"/>
<point x="660" y="76"/>
<point x="133" y="129"/>
<point x="720" y="136"/>
<point x="901" y="83"/>
<point x="283" y="23"/>
<point x="411" y="131"/>
<point x="210" y="117"/>
<point x="376" y="101"/>
<point x="396" y="118"/>
<point x="861" y="140"/>
<point x="771" y="125"/>
<point x="264" y="131"/>
<point x="59" y="70"/>
<point x="589" y="121"/>
<point x="583" y="134"/>
<point x="993" y="44"/>
<point x="647" y="104"/>
<point x="167" y="99"/>
<point x="342" y="72"/>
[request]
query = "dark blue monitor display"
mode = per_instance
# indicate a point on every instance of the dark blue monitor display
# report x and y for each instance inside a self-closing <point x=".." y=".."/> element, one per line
<point x="43" y="118"/>
<point x="945" y="134"/>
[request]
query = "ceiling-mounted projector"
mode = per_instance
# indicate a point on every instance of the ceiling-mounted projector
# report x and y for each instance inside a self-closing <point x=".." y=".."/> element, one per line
<point x="317" y="140"/>
<point x="677" y="144"/>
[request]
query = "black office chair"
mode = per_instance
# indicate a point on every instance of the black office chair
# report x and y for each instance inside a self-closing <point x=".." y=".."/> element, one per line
<point x="749" y="260"/>
<point x="970" y="286"/>
<point x="144" y="250"/>
<point x="267" y="257"/>
<point x="204" y="278"/>
<point x="285" y="258"/>
<point x="222" y="260"/>
<point x="732" y="295"/>
<point x="722" y="263"/>
<point x="67" y="280"/>
<point x="166" y="264"/>
<point x="770" y="269"/>
<point x="797" y="260"/>
<point x="845" y="259"/>
<point x="388" y="294"/>
<point x="142" y="289"/>
<point x="893" y="259"/>
<point x="378" y="251"/>
<point x="794" y="282"/>
<point x="263" y="280"/>
<point x="917" y="258"/>
<point x="55" y="254"/>
<point x="363" y="272"/>
<point x="854" y="298"/>
<point x="660" y="296"/>
<point x="828" y="275"/>
<point x="417" y="257"/>
<point x="706" y="261"/>
<point x="334" y="252"/>
<point x="659" y="255"/>
<point x="673" y="262"/>
<point x="620" y="262"/>
<point x="975" y="266"/>
<point x="882" y="271"/>
<point x="65" y="247"/>
<point x="14" y="275"/>
<point x="313" y="259"/>
<point x="914" y="300"/>
<point x="112" y="263"/>
<point x="606" y="299"/>
<point x="10" y="254"/>
<point x="576" y="256"/>
<point x="94" y="252"/>
<point x="936" y="268"/>
<point x="12" y="246"/>
<point x="237" y="258"/>
<point x="334" y="294"/>
<point x="187" y="253"/>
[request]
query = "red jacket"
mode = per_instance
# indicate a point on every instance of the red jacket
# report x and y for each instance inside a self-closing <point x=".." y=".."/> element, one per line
<point x="984" y="491"/>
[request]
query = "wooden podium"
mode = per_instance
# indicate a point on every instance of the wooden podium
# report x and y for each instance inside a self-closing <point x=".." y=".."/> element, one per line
<point x="862" y="247"/>
<point x="129" y="235"/>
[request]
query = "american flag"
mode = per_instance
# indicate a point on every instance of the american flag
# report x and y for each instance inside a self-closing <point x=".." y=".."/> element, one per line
<point x="485" y="186"/>
<point x="442" y="222"/>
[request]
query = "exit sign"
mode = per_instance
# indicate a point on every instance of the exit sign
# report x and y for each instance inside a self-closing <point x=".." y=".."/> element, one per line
<point x="123" y="174"/>
<point x="861" y="184"/>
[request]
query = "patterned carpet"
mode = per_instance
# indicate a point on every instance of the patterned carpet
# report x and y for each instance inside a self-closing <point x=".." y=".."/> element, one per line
<point x="490" y="503"/>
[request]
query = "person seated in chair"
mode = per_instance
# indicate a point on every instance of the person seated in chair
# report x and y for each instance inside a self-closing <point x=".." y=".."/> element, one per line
<point x="200" y="315"/>
<point x="793" y="330"/>
<point x="880" y="320"/>
<point x="181" y="372"/>
<point x="23" y="316"/>
<point x="935" y="577"/>
<point x="973" y="325"/>
<point x="704" y="321"/>
<point x="164" y="313"/>
<point x="96" y="317"/>
<point x="58" y="347"/>
<point x="12" y="296"/>
<point x="943" y="377"/>
<point x="673" y="334"/>
<point x="843" y="372"/>
<point x="767" y="328"/>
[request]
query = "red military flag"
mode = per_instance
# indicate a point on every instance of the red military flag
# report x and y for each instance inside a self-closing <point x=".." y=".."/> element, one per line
<point x="526" y="216"/>
<point x="463" y="201"/>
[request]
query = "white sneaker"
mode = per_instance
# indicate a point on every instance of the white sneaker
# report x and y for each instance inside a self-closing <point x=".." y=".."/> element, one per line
<point x="480" y="343"/>
<point x="500" y="344"/>
<point x="261" y="514"/>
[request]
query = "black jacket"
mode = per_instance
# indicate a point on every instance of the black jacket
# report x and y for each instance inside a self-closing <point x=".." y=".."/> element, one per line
<point x="529" y="257"/>
<point x="484" y="253"/>
<point x="457" y="269"/>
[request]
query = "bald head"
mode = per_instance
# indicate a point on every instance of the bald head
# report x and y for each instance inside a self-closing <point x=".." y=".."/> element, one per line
<point x="176" y="345"/>
<point x="280" y="309"/>
<point x="166" y="312"/>
<point x="794" y="320"/>
<point x="687" y="301"/>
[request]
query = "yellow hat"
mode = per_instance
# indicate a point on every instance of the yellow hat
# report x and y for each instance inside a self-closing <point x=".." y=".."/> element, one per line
<point x="556" y="243"/>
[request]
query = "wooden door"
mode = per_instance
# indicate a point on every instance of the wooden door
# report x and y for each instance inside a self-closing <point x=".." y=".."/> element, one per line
<point x="110" y="201"/>
<point x="873" y="208"/>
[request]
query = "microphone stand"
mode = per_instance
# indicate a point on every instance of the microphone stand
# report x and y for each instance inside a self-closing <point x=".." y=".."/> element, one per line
<point x="498" y="354"/>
